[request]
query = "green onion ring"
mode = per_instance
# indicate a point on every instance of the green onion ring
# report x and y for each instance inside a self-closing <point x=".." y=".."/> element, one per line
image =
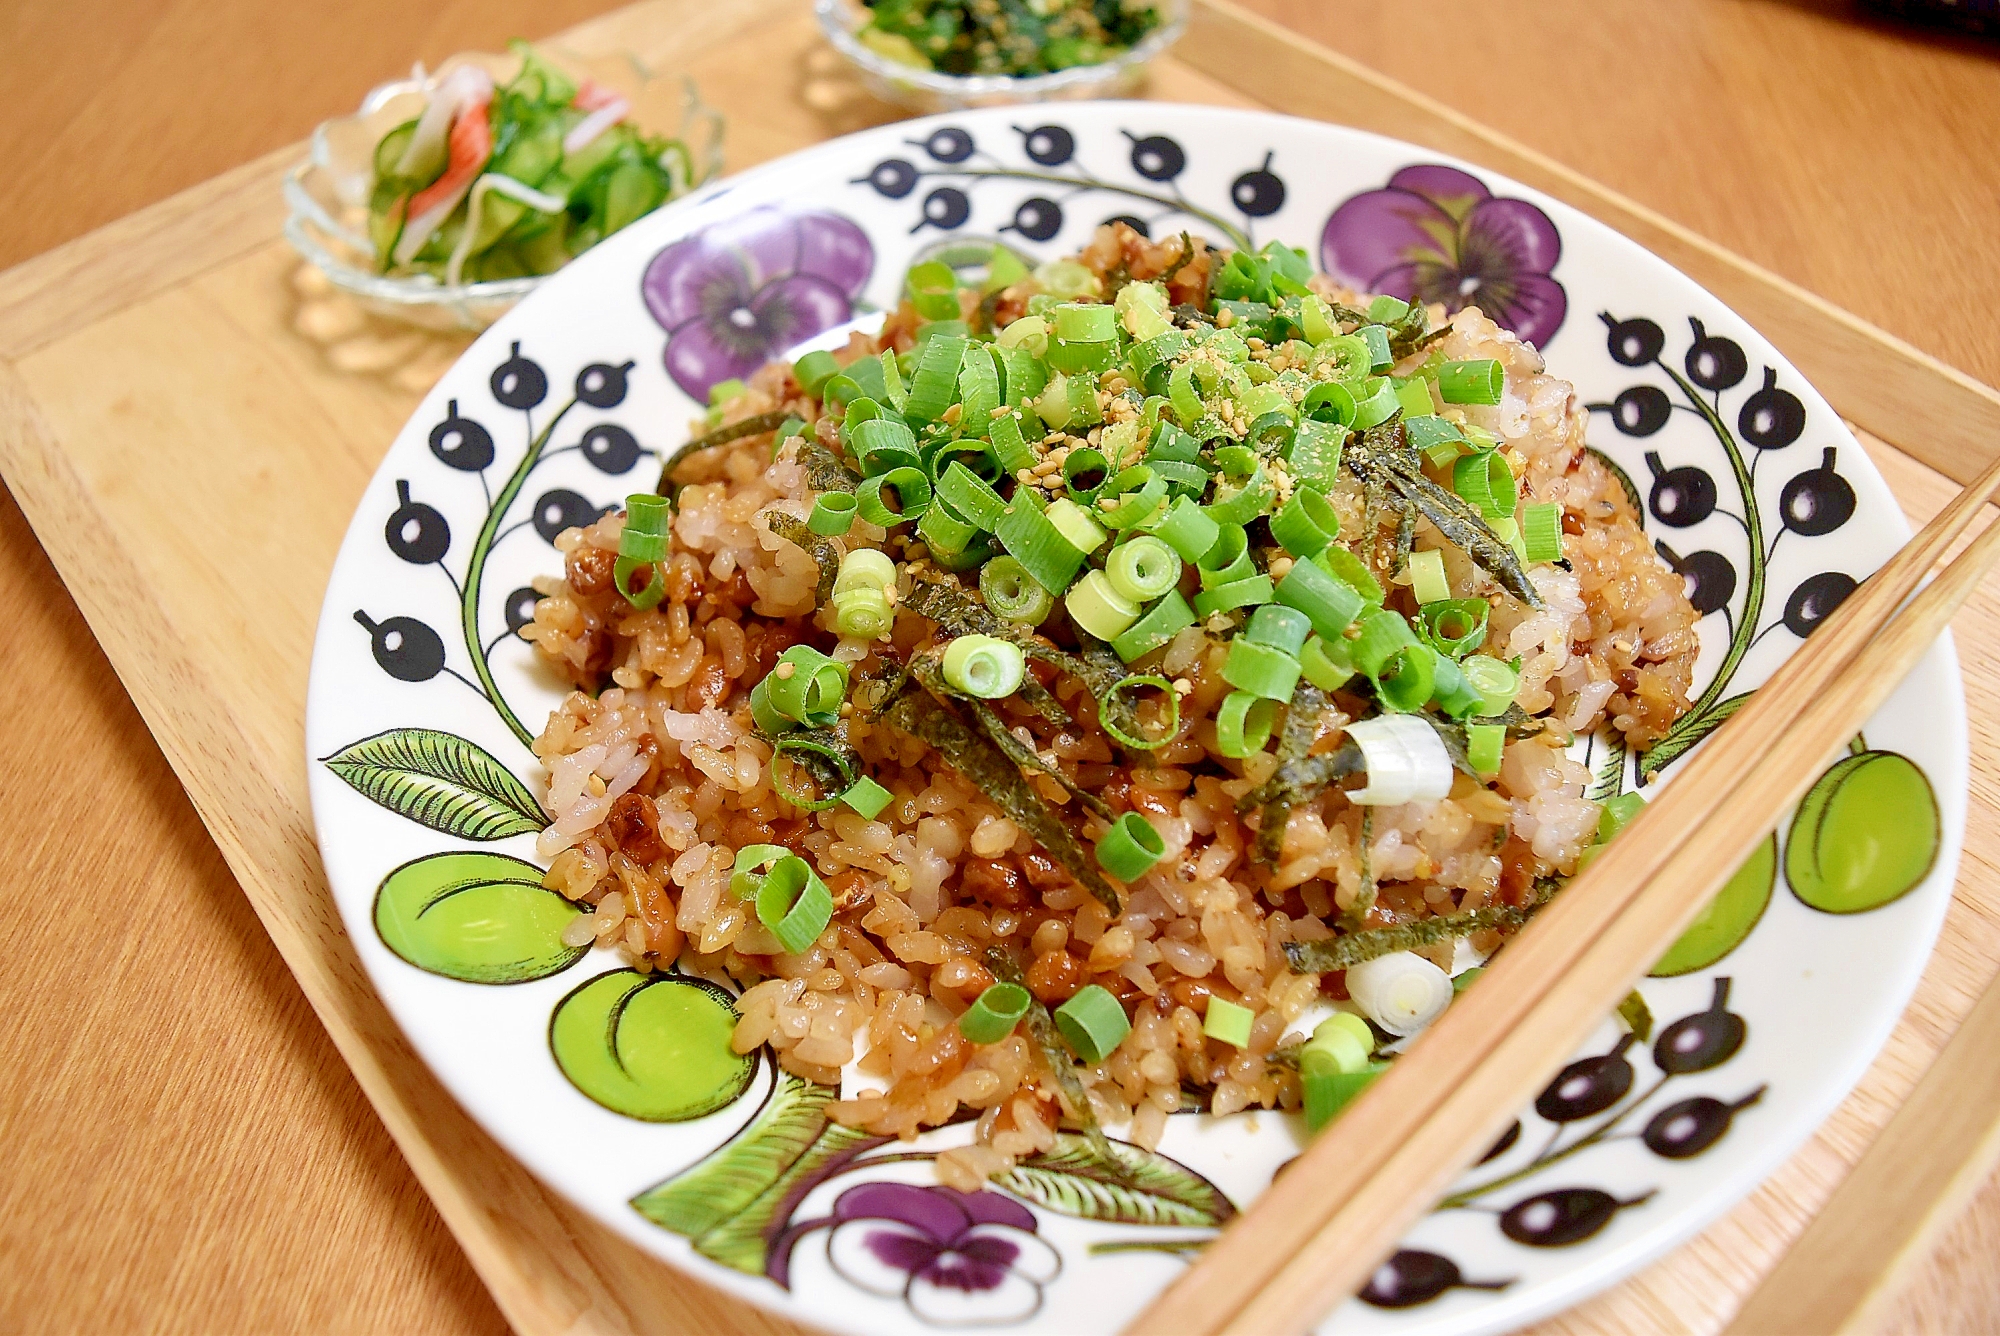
<point x="1131" y="683"/>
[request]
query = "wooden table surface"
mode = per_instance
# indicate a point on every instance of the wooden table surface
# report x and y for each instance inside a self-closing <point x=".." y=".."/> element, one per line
<point x="180" y="1146"/>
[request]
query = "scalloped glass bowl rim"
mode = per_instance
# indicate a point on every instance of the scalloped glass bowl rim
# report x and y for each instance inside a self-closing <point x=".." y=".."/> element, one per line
<point x="953" y="92"/>
<point x="474" y="305"/>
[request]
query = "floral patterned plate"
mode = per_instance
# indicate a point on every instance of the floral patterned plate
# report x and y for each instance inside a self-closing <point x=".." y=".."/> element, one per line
<point x="619" y="1089"/>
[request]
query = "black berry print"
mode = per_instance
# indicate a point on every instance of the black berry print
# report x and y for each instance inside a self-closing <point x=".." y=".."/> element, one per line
<point x="949" y="144"/>
<point x="1634" y="342"/>
<point x="404" y="647"/>
<point x="1713" y="362"/>
<point x="519" y="382"/>
<point x="1038" y="219"/>
<point x="1587" y="1086"/>
<point x="460" y="442"/>
<point x="416" y="532"/>
<point x="892" y="178"/>
<point x="1691" y="1126"/>
<point x="1817" y="501"/>
<point x="1564" y="1216"/>
<point x="1157" y="158"/>
<point x="602" y="385"/>
<point x="1049" y="145"/>
<point x="1259" y="193"/>
<point x="1771" y="419"/>
<point x="1703" y="1040"/>
<point x="559" y="509"/>
<point x="1815" y="599"/>
<point x="1641" y="410"/>
<point x="611" y="448"/>
<point x="1681" y="496"/>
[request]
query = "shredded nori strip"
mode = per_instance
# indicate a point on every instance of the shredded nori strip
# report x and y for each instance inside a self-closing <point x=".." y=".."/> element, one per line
<point x="1056" y="1054"/>
<point x="927" y="670"/>
<point x="945" y="601"/>
<point x="969" y="752"/>
<point x="1382" y="458"/>
<point x="825" y="471"/>
<point x="1304" y="779"/>
<point x="749" y="426"/>
<point x="1339" y="953"/>
<point x="1302" y="720"/>
<point x="1364" y="900"/>
<point x="823" y="550"/>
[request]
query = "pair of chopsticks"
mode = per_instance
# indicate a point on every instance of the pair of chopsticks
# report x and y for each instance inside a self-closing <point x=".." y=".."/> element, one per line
<point x="1338" y="1210"/>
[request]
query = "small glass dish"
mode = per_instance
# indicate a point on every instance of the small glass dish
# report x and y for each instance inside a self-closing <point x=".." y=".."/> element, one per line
<point x="926" y="91"/>
<point x="326" y="195"/>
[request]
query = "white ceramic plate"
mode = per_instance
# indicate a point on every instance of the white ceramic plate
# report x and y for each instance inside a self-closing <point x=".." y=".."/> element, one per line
<point x="1750" y="483"/>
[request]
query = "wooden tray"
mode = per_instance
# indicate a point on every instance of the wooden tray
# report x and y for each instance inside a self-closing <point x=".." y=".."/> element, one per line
<point x="155" y="396"/>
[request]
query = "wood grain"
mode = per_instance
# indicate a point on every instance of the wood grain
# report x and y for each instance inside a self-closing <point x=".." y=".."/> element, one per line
<point x="238" y="1182"/>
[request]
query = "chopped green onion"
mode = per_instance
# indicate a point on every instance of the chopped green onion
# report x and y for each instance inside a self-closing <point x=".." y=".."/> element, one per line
<point x="806" y="687"/>
<point x="1012" y="593"/>
<point x="1383" y="633"/>
<point x="1450" y="691"/>
<point x="1329" y="401"/>
<point x="1158" y="350"/>
<point x="1435" y="438"/>
<point x="1485" y="480"/>
<point x="1342" y="1042"/>
<point x="1326" y="663"/>
<point x="970" y="495"/>
<point x="1386" y="310"/>
<point x="1028" y="332"/>
<point x="1083" y="406"/>
<point x="1261" y="670"/>
<point x="832" y="513"/>
<point x="1236" y="594"/>
<point x="1508" y="530"/>
<point x="937" y="376"/>
<point x="884" y="443"/>
<point x="1329" y="604"/>
<point x="790" y="427"/>
<point x="1098" y="608"/>
<point x="1160" y="624"/>
<point x="859" y="411"/>
<point x="913" y="496"/>
<point x="745" y="878"/>
<point x="1327" y="1093"/>
<point x="1228" y="1022"/>
<point x="1377" y="339"/>
<point x="1454" y="626"/>
<point x="1120" y="442"/>
<point x="1496" y="682"/>
<point x="814" y="370"/>
<point x="1003" y="271"/>
<point x="867" y="797"/>
<point x="1185" y="480"/>
<point x="643" y="543"/>
<point x="1084" y="322"/>
<point x="840" y="391"/>
<point x="764" y="715"/>
<point x="978" y="389"/>
<point x="795" y="905"/>
<point x="1483" y="744"/>
<point x="864" y="568"/>
<point x="862" y="614"/>
<point x="1181" y="393"/>
<point x="1350" y="354"/>
<point x="1270" y="433"/>
<point x="723" y="391"/>
<point x="1140" y="492"/>
<point x="1377" y="405"/>
<point x="1236" y="461"/>
<point x="1188" y="530"/>
<point x="984" y="666"/>
<point x="1171" y="442"/>
<point x="1082" y="359"/>
<point x="1344" y="566"/>
<point x="1009" y="446"/>
<point x="1415" y="397"/>
<point x="944" y="532"/>
<point x="1617" y="812"/>
<point x="1130" y="847"/>
<point x="1227" y="559"/>
<point x="892" y="381"/>
<point x="1077" y="528"/>
<point x="1280" y="627"/>
<point x="933" y="289"/>
<point x="1476" y="382"/>
<point x="1541" y="531"/>
<point x="1406" y="680"/>
<point x="995" y="1013"/>
<point x="1243" y="723"/>
<point x="1427" y="579"/>
<point x="1307" y="524"/>
<point x="1085" y="471"/>
<point x="1151" y="682"/>
<point x="1315" y="458"/>
<point x="1316" y="320"/>
<point x="1093" y="1022"/>
<point x="1032" y="539"/>
<point x="1143" y="568"/>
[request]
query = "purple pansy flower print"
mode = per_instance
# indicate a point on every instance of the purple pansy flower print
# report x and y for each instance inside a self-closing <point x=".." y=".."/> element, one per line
<point x="958" y="1259"/>
<point x="734" y="295"/>
<point x="1438" y="234"/>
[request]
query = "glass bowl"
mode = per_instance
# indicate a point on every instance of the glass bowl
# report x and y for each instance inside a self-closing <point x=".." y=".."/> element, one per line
<point x="926" y="91"/>
<point x="326" y="195"/>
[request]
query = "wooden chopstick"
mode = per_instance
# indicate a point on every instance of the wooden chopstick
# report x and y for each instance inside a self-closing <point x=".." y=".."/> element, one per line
<point x="1339" y="1209"/>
